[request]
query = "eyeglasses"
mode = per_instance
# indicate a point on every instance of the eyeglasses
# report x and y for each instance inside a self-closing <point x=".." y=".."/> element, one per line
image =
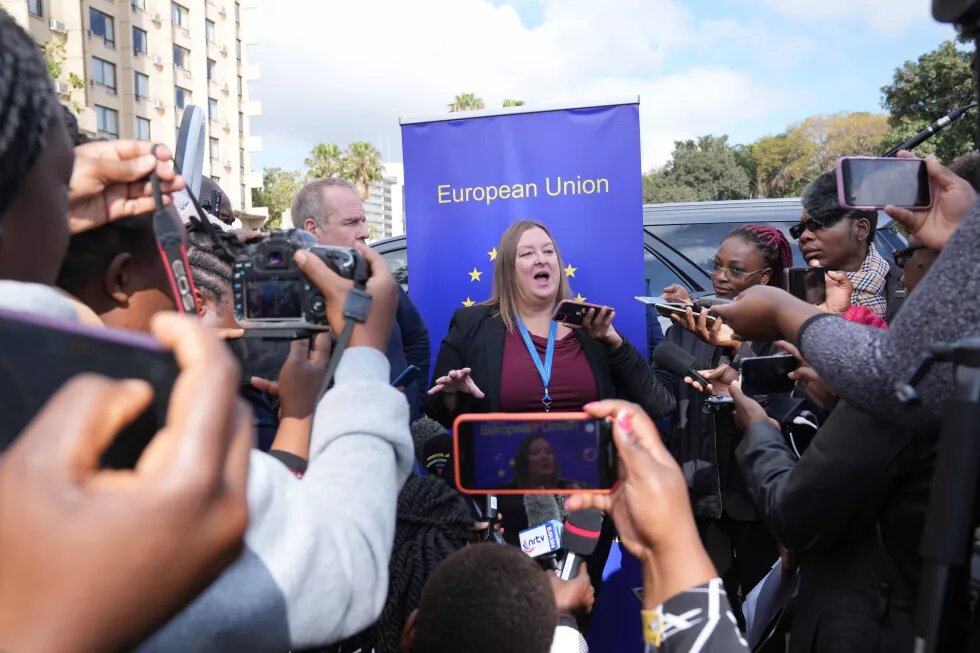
<point x="733" y="272"/>
<point x="902" y="256"/>
<point x="814" y="225"/>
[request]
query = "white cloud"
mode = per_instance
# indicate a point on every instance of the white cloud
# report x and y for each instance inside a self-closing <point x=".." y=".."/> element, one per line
<point x="344" y="71"/>
<point x="890" y="16"/>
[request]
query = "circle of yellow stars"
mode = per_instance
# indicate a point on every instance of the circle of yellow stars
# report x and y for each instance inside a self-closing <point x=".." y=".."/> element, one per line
<point x="476" y="274"/>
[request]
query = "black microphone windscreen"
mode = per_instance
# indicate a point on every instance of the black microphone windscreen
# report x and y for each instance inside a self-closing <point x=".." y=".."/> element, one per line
<point x="581" y="532"/>
<point x="423" y="430"/>
<point x="437" y="457"/>
<point x="672" y="358"/>
<point x="541" y="508"/>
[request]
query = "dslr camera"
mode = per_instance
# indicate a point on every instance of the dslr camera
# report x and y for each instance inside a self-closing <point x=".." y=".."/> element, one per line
<point x="273" y="296"/>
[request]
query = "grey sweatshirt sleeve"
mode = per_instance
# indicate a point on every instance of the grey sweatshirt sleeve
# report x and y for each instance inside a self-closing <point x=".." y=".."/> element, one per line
<point x="315" y="568"/>
<point x="862" y="363"/>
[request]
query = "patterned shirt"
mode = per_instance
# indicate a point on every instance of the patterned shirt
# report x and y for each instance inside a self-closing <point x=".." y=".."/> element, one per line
<point x="698" y="620"/>
<point x="869" y="283"/>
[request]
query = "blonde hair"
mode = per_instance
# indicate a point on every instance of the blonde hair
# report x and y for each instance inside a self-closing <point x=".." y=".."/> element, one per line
<point x="505" y="274"/>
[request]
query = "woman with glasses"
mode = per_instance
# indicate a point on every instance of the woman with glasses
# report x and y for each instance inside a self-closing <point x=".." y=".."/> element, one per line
<point x="740" y="545"/>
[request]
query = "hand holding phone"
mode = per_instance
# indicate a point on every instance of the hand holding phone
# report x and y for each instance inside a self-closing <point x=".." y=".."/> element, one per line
<point x="595" y="320"/>
<point x="767" y="375"/>
<point x="533" y="453"/>
<point x="808" y="284"/>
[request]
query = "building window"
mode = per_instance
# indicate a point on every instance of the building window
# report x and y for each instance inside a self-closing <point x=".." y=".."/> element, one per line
<point x="103" y="73"/>
<point x="182" y="57"/>
<point x="101" y="24"/>
<point x="138" y="4"/>
<point x="209" y="30"/>
<point x="213" y="149"/>
<point x="139" y="41"/>
<point x="107" y="121"/>
<point x="179" y="15"/>
<point x="212" y="108"/>
<point x="182" y="97"/>
<point x="36" y="7"/>
<point x="240" y="94"/>
<point x="241" y="160"/>
<point x="238" y="49"/>
<point x="142" y="86"/>
<point x="241" y="125"/>
<point x="211" y="64"/>
<point x="241" y="206"/>
<point x="238" y="14"/>
<point x="142" y="129"/>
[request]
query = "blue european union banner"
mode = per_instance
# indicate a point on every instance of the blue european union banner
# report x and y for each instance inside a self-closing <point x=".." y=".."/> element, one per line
<point x="576" y="170"/>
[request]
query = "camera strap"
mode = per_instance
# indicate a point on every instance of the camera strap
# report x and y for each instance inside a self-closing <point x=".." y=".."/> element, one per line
<point x="170" y="244"/>
<point x="357" y="305"/>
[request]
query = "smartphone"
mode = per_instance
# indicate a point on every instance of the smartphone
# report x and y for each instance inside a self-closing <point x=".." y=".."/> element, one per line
<point x="573" y="313"/>
<point x="808" y="284"/>
<point x="41" y="354"/>
<point x="533" y="453"/>
<point x="767" y="375"/>
<point x="869" y="183"/>
<point x="411" y="373"/>
<point x="667" y="309"/>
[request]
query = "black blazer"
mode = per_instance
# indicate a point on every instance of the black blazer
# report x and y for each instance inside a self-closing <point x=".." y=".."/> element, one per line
<point x="476" y="340"/>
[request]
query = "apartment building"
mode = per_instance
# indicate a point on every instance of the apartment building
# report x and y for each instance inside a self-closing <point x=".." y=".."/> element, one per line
<point x="384" y="207"/>
<point x="144" y="61"/>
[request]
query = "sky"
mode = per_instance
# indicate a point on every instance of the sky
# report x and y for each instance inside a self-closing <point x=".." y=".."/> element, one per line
<point x="345" y="70"/>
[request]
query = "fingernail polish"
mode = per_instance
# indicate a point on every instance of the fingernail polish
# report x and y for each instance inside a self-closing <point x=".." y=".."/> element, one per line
<point x="625" y="421"/>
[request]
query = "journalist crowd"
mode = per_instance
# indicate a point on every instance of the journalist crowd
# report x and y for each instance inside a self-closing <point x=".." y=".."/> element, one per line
<point x="287" y="501"/>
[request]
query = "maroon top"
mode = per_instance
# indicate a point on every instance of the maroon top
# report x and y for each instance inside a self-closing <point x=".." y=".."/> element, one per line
<point x="572" y="381"/>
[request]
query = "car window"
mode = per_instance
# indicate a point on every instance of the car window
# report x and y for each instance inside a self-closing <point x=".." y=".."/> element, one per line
<point x="397" y="261"/>
<point x="698" y="242"/>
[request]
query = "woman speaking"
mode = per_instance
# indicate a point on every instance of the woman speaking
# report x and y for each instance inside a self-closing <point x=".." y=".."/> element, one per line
<point x="508" y="355"/>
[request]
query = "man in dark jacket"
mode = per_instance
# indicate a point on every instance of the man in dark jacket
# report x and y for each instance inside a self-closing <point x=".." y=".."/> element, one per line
<point x="852" y="508"/>
<point x="332" y="210"/>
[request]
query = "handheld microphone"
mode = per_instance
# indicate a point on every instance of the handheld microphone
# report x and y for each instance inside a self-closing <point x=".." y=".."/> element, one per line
<point x="424" y="429"/>
<point x="677" y="361"/>
<point x="437" y="458"/>
<point x="579" y="537"/>
<point x="930" y="131"/>
<point x="542" y="539"/>
<point x="542" y="510"/>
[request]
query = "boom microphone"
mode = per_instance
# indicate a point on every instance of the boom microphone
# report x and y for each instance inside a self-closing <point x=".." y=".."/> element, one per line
<point x="931" y="130"/>
<point x="677" y="361"/>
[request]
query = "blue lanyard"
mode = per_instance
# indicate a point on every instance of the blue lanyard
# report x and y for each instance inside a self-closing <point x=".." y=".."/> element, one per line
<point x="544" y="369"/>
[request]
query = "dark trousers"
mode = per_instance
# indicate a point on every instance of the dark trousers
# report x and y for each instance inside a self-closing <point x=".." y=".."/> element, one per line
<point x="743" y="552"/>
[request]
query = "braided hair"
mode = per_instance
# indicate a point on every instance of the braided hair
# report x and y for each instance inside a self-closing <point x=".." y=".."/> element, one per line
<point x="772" y="244"/>
<point x="211" y="263"/>
<point x="432" y="523"/>
<point x="27" y="107"/>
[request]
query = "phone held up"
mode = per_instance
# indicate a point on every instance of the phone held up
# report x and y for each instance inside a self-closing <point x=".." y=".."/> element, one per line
<point x="808" y="284"/>
<point x="667" y="309"/>
<point x="41" y="354"/>
<point x="768" y="375"/>
<point x="573" y="313"/>
<point x="870" y="183"/>
<point x="534" y="453"/>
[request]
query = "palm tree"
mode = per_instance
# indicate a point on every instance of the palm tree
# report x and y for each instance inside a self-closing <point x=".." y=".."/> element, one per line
<point x="325" y="160"/>
<point x="466" y="102"/>
<point x="362" y="166"/>
<point x="514" y="103"/>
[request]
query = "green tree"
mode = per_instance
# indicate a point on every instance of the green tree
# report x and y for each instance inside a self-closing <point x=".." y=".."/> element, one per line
<point x="325" y="160"/>
<point x="362" y="166"/>
<point x="54" y="54"/>
<point x="278" y="189"/>
<point x="922" y="91"/>
<point x="514" y="103"/>
<point x="781" y="163"/>
<point x="709" y="167"/>
<point x="466" y="102"/>
<point x="659" y="187"/>
<point x="745" y="160"/>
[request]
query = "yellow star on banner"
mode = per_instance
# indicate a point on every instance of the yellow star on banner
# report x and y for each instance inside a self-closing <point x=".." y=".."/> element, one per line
<point x="493" y="254"/>
<point x="474" y="275"/>
<point x="570" y="271"/>
<point x="579" y="298"/>
<point x="468" y="303"/>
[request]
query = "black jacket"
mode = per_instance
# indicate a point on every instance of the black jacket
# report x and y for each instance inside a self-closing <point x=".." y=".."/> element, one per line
<point x="703" y="443"/>
<point x="853" y="507"/>
<point x="476" y="340"/>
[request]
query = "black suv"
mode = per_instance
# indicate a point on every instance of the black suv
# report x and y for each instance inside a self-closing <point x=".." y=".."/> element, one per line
<point x="679" y="238"/>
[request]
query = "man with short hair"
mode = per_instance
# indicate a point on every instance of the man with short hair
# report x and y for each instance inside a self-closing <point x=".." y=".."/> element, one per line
<point x="332" y="210"/>
<point x="842" y="239"/>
